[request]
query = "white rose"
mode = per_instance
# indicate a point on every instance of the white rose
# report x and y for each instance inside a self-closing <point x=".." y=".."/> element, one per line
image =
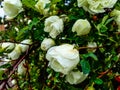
<point x="53" y="25"/>
<point x="41" y="4"/>
<point x="82" y="27"/>
<point x="47" y="43"/>
<point x="76" y="77"/>
<point x="8" y="45"/>
<point x="12" y="8"/>
<point x="63" y="58"/>
<point x="25" y="44"/>
<point x="15" y="54"/>
<point x="96" y="6"/>
<point x="21" y="69"/>
<point x="92" y="46"/>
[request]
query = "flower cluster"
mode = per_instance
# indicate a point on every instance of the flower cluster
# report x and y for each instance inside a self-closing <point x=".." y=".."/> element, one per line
<point x="64" y="59"/>
<point x="14" y="51"/>
<point x="59" y="35"/>
<point x="18" y="49"/>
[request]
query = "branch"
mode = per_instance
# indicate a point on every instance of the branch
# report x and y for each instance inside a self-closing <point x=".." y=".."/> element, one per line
<point x="4" y="83"/>
<point x="79" y="48"/>
<point x="108" y="70"/>
<point x="104" y="73"/>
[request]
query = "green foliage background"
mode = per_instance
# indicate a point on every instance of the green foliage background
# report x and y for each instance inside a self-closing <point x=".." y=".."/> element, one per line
<point x="102" y="65"/>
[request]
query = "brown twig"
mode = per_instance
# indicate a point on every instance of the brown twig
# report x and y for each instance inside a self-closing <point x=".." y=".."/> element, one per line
<point x="89" y="47"/>
<point x="104" y="73"/>
<point x="118" y="33"/>
<point x="108" y="70"/>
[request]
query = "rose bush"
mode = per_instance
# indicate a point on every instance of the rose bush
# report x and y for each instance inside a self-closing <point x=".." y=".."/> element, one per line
<point x="59" y="44"/>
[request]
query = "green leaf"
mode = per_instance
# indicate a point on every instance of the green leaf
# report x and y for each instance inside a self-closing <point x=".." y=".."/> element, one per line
<point x="85" y="66"/>
<point x="33" y="23"/>
<point x="47" y="6"/>
<point x="29" y="4"/>
<point x="73" y="88"/>
<point x="98" y="81"/>
<point x="5" y="66"/>
<point x="22" y="32"/>
<point x="109" y="20"/>
<point x="115" y="58"/>
<point x="47" y="88"/>
<point x="104" y="19"/>
<point x="103" y="28"/>
<point x="1" y="74"/>
<point x="1" y="51"/>
<point x="55" y="1"/>
<point x="73" y="17"/>
<point x="92" y="55"/>
<point x="57" y="74"/>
